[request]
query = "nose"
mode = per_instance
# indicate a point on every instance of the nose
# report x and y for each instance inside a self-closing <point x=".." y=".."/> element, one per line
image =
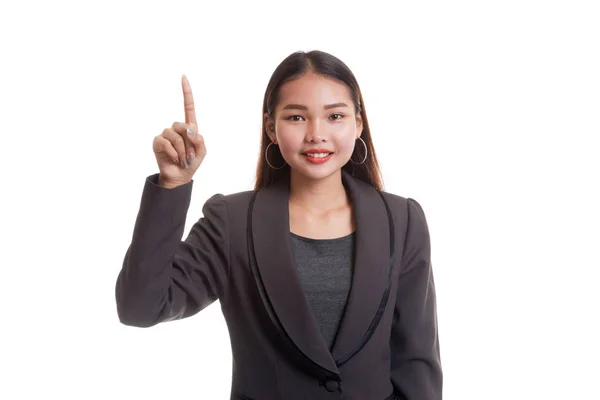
<point x="314" y="133"/>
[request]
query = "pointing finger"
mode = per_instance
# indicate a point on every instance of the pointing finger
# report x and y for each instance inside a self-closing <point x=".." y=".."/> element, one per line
<point x="188" y="101"/>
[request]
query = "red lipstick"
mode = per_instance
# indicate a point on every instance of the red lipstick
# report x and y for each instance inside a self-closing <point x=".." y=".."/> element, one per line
<point x="317" y="156"/>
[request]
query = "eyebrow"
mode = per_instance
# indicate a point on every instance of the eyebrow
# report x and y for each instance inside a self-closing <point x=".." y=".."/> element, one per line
<point x="301" y="107"/>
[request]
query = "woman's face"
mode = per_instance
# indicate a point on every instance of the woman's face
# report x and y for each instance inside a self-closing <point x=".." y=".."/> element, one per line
<point x="315" y="125"/>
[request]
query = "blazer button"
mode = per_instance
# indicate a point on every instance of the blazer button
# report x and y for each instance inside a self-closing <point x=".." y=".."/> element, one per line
<point x="332" y="386"/>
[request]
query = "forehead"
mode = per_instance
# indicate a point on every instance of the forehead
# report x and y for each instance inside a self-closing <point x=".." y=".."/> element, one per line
<point x="313" y="88"/>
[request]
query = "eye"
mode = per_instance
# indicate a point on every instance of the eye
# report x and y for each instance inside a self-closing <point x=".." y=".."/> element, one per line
<point x="337" y="116"/>
<point x="292" y="117"/>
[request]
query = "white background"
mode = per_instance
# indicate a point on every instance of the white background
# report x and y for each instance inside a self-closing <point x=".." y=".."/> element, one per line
<point x="487" y="113"/>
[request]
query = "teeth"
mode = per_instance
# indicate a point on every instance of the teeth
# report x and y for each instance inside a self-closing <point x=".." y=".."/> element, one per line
<point x="317" y="155"/>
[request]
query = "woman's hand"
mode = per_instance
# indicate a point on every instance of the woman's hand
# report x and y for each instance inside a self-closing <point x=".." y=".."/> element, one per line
<point x="180" y="149"/>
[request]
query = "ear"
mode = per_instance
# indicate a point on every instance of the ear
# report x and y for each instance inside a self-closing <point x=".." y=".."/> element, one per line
<point x="269" y="125"/>
<point x="359" y="125"/>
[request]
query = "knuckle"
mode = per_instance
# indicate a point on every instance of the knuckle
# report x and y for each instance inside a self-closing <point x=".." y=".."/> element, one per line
<point x="159" y="141"/>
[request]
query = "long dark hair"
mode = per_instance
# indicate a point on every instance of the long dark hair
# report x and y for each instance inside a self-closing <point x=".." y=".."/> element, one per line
<point x="328" y="65"/>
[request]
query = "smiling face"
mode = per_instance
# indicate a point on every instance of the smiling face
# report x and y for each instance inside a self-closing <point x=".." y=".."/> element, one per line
<point x="315" y="125"/>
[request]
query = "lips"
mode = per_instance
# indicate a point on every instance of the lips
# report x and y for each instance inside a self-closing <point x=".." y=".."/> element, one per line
<point x="317" y="156"/>
<point x="317" y="152"/>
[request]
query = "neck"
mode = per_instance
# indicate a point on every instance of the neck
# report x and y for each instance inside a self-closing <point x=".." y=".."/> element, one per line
<point x="318" y="195"/>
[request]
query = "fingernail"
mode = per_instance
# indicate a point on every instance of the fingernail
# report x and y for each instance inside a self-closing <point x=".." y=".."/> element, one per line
<point x="185" y="164"/>
<point x="190" y="132"/>
<point x="191" y="157"/>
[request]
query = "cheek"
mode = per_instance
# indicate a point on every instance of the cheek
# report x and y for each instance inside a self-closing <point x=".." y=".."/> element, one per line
<point x="289" y="141"/>
<point x="345" y="141"/>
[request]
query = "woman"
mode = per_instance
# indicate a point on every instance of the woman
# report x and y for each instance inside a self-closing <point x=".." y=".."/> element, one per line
<point x="324" y="279"/>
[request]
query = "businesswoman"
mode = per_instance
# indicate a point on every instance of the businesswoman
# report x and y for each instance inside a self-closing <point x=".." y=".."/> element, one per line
<point x="324" y="279"/>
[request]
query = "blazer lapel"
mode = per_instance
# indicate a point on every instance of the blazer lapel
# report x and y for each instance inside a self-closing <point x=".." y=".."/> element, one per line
<point x="371" y="268"/>
<point x="277" y="269"/>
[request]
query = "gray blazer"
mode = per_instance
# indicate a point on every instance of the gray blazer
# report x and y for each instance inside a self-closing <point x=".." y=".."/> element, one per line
<point x="240" y="252"/>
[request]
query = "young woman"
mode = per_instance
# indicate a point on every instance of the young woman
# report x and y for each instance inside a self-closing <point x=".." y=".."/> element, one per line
<point x="324" y="279"/>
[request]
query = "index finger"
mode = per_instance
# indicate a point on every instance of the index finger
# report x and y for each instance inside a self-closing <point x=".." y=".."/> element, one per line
<point x="188" y="101"/>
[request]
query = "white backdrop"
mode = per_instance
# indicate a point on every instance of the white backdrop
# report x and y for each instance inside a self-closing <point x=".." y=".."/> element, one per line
<point x="485" y="112"/>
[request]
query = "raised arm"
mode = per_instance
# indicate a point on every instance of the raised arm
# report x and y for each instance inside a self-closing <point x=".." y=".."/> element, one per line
<point x="162" y="277"/>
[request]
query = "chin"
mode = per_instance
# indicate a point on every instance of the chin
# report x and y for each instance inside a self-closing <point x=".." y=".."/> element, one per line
<point x="310" y="171"/>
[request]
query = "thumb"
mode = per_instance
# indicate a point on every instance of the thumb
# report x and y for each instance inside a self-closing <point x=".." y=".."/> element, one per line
<point x="197" y="141"/>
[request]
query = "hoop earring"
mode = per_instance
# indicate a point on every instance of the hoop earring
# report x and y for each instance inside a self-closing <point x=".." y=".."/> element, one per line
<point x="365" y="158"/>
<point x="267" y="158"/>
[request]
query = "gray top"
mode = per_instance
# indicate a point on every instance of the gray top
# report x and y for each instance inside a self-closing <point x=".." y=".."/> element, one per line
<point x="325" y="270"/>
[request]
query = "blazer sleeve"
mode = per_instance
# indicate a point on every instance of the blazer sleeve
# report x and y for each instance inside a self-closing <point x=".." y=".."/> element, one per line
<point x="416" y="370"/>
<point x="162" y="277"/>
